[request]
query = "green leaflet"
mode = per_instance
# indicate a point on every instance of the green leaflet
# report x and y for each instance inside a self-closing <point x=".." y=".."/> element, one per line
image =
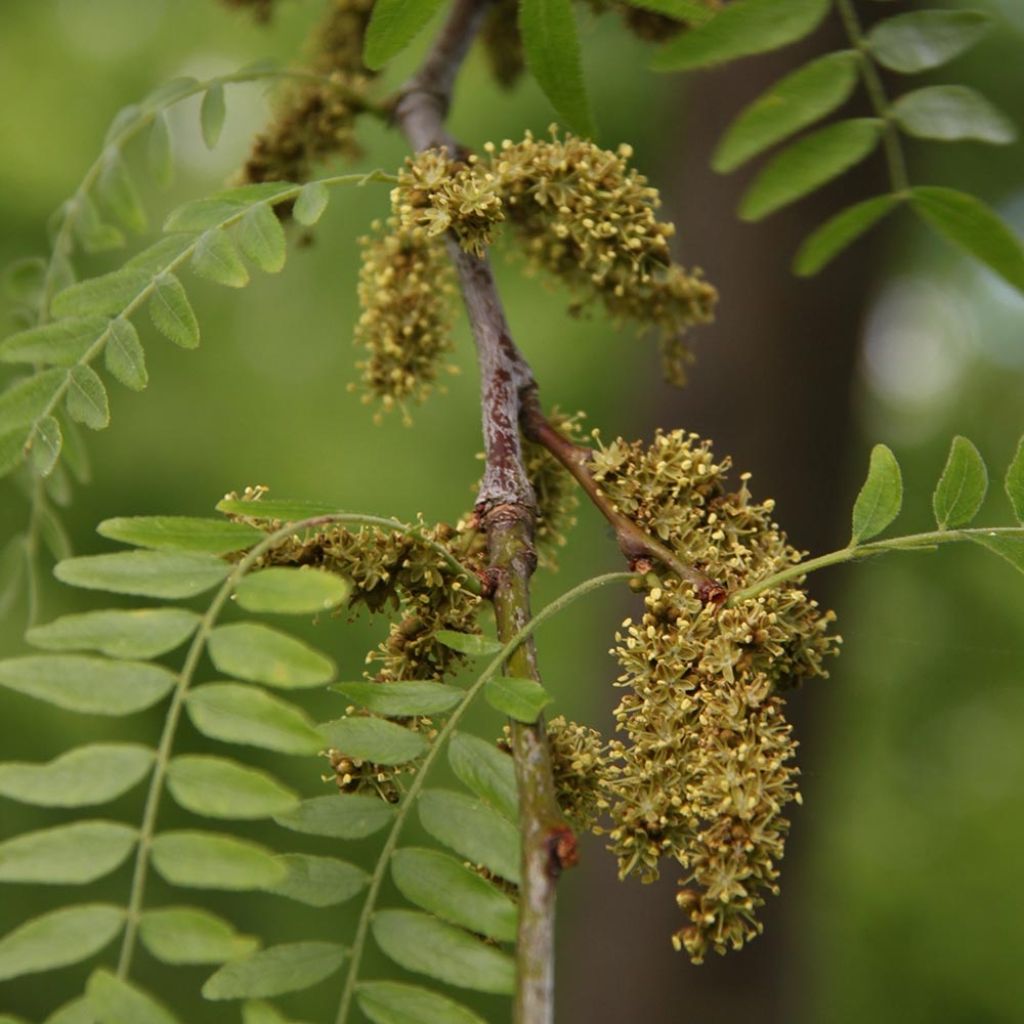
<point x="521" y="699"/>
<point x="188" y="935"/>
<point x="1009" y="548"/>
<point x="62" y="343"/>
<point x="951" y="113"/>
<point x="52" y="531"/>
<point x="142" y="633"/>
<point x="242" y="714"/>
<point x="288" y="591"/>
<point x="468" y="643"/>
<point x="794" y="102"/>
<point x="45" y="444"/>
<point x="880" y="498"/>
<point x="393" y="26"/>
<point x="87" y="398"/>
<point x="473" y="830"/>
<point x="263" y="1013"/>
<point x="421" y="943"/>
<point x="319" y="881"/>
<point x="374" y="739"/>
<point x="217" y="259"/>
<point x="145" y="573"/>
<point x="213" y="211"/>
<point x="117" y="192"/>
<point x="76" y="455"/>
<point x="392" y="1002"/>
<point x="486" y="771"/>
<point x="920" y="40"/>
<point x="260" y="654"/>
<point x="91" y="233"/>
<point x="552" y="50"/>
<point x="212" y="111"/>
<point x="809" y="163"/>
<point x="124" y="356"/>
<point x="310" y="203"/>
<point x="88" y="775"/>
<point x="348" y="816"/>
<point x="690" y="11"/>
<point x="59" y="938"/>
<point x="402" y="698"/>
<point x="160" y="151"/>
<point x="96" y="686"/>
<point x="206" y="860"/>
<point x="109" y="294"/>
<point x="288" y="511"/>
<point x="961" y="488"/>
<point x="75" y="1012"/>
<point x="447" y="888"/>
<point x="217" y="787"/>
<point x="181" y="533"/>
<point x="970" y="224"/>
<point x="261" y="237"/>
<point x="115" y="1001"/>
<point x="274" y="971"/>
<point x="28" y="399"/>
<point x="171" y="312"/>
<point x="1014" y="482"/>
<point x="828" y="241"/>
<point x="67" y="854"/>
<point x="740" y="30"/>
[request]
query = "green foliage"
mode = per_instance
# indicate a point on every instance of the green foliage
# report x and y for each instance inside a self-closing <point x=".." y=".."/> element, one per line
<point x="186" y="935"/>
<point x="921" y="40"/>
<point x="388" y="1002"/>
<point x="821" y="247"/>
<point x="881" y="497"/>
<point x="961" y="489"/>
<point x="393" y="26"/>
<point x="275" y="971"/>
<point x="521" y="699"/>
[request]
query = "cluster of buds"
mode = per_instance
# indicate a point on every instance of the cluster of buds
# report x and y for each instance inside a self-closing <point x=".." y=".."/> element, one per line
<point x="705" y="767"/>
<point x="316" y="118"/>
<point x="580" y="213"/>
<point x="405" y="293"/>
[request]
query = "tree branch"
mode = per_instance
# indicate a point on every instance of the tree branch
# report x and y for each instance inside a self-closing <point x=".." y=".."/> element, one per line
<point x="506" y="507"/>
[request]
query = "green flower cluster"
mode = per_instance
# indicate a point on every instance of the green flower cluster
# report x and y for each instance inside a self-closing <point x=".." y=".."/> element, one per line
<point x="316" y="119"/>
<point x="580" y="212"/>
<point x="705" y="767"/>
<point x="583" y="772"/>
<point x="405" y="293"/>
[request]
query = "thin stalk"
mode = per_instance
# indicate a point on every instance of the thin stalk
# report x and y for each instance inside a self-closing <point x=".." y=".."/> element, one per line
<point x="163" y="756"/>
<point x="879" y="100"/>
<point x="911" y="542"/>
<point x="377" y="879"/>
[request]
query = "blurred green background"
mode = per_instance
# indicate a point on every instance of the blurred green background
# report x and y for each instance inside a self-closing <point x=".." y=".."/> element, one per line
<point x="903" y="892"/>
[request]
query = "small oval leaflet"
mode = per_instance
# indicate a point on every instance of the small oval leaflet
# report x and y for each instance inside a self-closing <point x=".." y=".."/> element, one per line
<point x="310" y="203"/>
<point x="486" y="771"/>
<point x="348" y="816"/>
<point x="181" y="533"/>
<point x="188" y="935"/>
<point x="401" y="698"/>
<point x="962" y="486"/>
<point x="394" y="24"/>
<point x="96" y="686"/>
<point x="444" y="886"/>
<point x="82" y="777"/>
<point x="393" y="1002"/>
<point x="67" y="854"/>
<point x="260" y="654"/>
<point x="216" y="258"/>
<point x="119" y="633"/>
<point x="86" y="398"/>
<point x="172" y="313"/>
<point x="206" y="860"/>
<point x="274" y="971"/>
<point x="919" y="40"/>
<point x="46" y="442"/>
<point x="319" y="881"/>
<point x="124" y="356"/>
<point x="473" y="644"/>
<point x="374" y="739"/>
<point x="236" y="713"/>
<point x="286" y="591"/>
<point x="823" y="245"/>
<point x="59" y="938"/>
<point x="950" y="113"/>
<point x="221" y="788"/>
<point x="145" y="573"/>
<point x="881" y="497"/>
<point x="261" y="237"/>
<point x="421" y="943"/>
<point x="521" y="699"/>
<point x="1015" y="482"/>
<point x="473" y="830"/>
<point x="115" y="1001"/>
<point x="212" y="111"/>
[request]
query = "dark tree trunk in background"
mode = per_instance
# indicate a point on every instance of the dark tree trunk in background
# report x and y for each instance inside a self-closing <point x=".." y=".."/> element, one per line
<point x="772" y="387"/>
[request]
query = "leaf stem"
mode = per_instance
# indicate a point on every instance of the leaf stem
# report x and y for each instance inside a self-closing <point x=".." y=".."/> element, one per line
<point x="444" y="734"/>
<point x="911" y="542"/>
<point x="879" y="100"/>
